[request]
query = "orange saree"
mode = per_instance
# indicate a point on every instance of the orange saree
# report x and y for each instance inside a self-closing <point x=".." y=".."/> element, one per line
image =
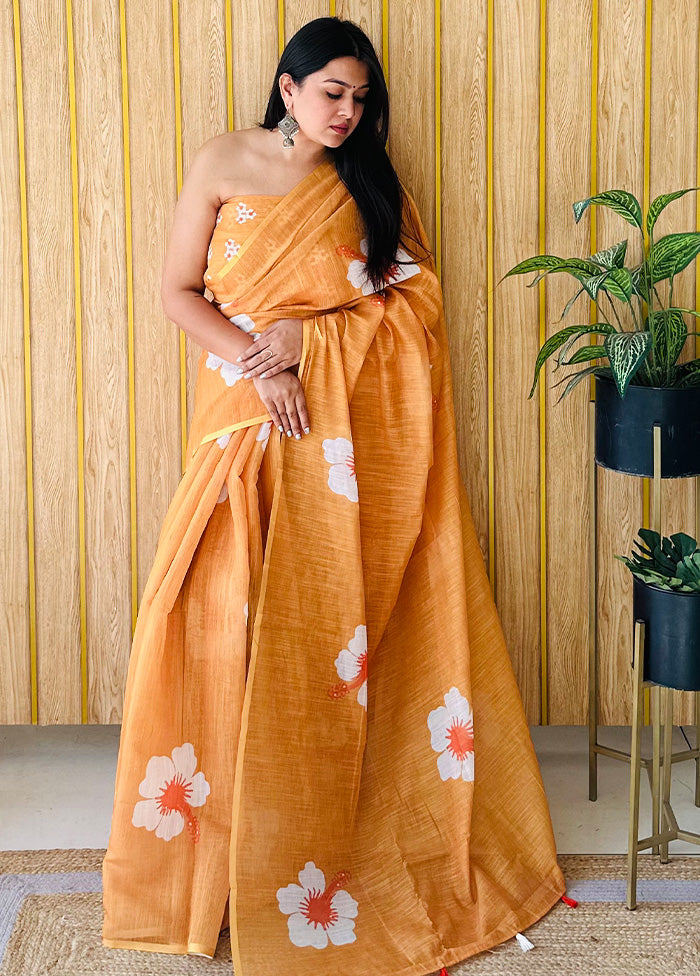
<point x="321" y="722"/>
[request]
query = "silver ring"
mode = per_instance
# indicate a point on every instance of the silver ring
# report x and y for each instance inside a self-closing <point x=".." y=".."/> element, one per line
<point x="270" y="354"/>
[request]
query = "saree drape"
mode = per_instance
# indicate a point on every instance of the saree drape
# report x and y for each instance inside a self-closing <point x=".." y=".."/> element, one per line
<point x="320" y="713"/>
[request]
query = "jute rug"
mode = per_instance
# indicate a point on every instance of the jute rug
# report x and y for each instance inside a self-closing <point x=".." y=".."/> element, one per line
<point x="51" y="920"/>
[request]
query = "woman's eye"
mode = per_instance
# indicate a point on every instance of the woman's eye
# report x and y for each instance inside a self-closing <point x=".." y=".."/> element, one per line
<point x="331" y="95"/>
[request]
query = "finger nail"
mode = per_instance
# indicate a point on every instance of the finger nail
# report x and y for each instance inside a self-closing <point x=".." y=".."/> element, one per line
<point x="297" y="436"/>
<point x="263" y="375"/>
<point x="280" y="429"/>
<point x="306" y="430"/>
<point x="238" y="360"/>
<point x="289" y="433"/>
<point x="246" y="375"/>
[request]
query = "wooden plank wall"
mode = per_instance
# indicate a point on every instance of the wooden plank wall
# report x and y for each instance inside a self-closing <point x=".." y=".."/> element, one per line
<point x="503" y="113"/>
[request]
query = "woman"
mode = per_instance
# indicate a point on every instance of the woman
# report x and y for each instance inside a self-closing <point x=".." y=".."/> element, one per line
<point x="320" y="713"/>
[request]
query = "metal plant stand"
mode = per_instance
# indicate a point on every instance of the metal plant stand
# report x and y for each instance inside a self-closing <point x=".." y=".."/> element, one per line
<point x="653" y="765"/>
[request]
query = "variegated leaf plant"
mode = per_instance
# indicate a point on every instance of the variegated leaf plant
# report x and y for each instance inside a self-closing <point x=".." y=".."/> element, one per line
<point x="648" y="353"/>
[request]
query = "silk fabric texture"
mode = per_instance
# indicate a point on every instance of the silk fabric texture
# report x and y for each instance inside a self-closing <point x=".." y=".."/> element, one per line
<point x="320" y="711"/>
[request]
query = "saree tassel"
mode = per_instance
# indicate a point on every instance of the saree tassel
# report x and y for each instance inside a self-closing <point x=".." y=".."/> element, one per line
<point x="524" y="943"/>
<point x="571" y="902"/>
<point x="443" y="972"/>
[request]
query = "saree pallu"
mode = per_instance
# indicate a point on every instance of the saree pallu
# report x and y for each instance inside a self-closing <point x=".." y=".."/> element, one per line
<point x="321" y="722"/>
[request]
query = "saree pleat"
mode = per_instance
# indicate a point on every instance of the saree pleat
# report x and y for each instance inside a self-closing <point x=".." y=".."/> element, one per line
<point x="320" y="712"/>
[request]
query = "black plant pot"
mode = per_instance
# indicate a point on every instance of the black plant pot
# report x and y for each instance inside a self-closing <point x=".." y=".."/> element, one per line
<point x="672" y="645"/>
<point x="624" y="429"/>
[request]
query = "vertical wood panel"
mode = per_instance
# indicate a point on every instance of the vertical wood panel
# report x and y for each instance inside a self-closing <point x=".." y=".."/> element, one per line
<point x="464" y="240"/>
<point x="567" y="449"/>
<point x="368" y="15"/>
<point x="15" y="688"/>
<point x="674" y="106"/>
<point x="53" y="362"/>
<point x="153" y="182"/>
<point x="105" y="373"/>
<point x="516" y="162"/>
<point x="411" y="95"/>
<point x="204" y="108"/>
<point x="620" y="164"/>
<point x="298" y="12"/>
<point x="254" y="30"/>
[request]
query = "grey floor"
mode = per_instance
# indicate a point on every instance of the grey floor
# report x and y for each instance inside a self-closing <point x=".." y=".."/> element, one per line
<point x="57" y="782"/>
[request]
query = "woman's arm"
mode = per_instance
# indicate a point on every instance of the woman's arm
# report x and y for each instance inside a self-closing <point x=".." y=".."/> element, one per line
<point x="182" y="295"/>
<point x="182" y="283"/>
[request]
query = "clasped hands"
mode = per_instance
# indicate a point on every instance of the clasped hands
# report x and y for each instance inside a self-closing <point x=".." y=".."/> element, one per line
<point x="268" y="362"/>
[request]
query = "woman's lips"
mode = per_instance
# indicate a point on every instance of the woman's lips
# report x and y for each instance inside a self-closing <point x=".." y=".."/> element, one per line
<point x="340" y="128"/>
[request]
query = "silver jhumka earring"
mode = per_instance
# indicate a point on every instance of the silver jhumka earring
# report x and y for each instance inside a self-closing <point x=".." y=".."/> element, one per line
<point x="289" y="127"/>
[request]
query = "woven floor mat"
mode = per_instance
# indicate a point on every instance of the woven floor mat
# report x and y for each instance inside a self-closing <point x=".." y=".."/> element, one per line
<point x="51" y="920"/>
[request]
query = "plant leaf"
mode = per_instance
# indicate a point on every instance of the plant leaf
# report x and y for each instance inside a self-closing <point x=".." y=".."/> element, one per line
<point x="669" y="334"/>
<point x="622" y="202"/>
<point x="584" y="355"/>
<point x="672" y="253"/>
<point x="575" y="380"/>
<point x="619" y="283"/>
<point x="611" y="257"/>
<point x="626" y="353"/>
<point x="570" y="303"/>
<point x="600" y="328"/>
<point x="552" y="344"/>
<point x="687" y="375"/>
<point x="661" y="202"/>
<point x="548" y="263"/>
<point x="684" y="544"/>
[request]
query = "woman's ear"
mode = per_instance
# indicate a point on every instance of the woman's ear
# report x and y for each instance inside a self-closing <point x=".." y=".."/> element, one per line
<point x="287" y="86"/>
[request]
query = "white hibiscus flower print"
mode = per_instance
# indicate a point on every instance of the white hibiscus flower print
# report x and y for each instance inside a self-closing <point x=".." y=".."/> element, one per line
<point x="223" y="440"/>
<point x="232" y="248"/>
<point x="243" y="321"/>
<point x="318" y="912"/>
<point x="209" y="252"/>
<point x="452" y="735"/>
<point x="230" y="372"/>
<point x="341" y="477"/>
<point x="244" y="213"/>
<point x="263" y="434"/>
<point x="402" y="269"/>
<point x="351" y="665"/>
<point x="218" y="217"/>
<point x="171" y="789"/>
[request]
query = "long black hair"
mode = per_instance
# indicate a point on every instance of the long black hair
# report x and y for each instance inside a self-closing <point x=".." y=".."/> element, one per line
<point x="362" y="162"/>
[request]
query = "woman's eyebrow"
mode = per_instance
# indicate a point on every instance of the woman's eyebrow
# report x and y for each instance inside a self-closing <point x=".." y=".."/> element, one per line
<point x="345" y="84"/>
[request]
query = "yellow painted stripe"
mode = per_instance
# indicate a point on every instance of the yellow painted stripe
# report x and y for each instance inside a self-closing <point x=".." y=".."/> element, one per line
<point x="129" y="312"/>
<point x="385" y="39"/>
<point x="438" y="146"/>
<point x="543" y="336"/>
<point x="78" y="355"/>
<point x="229" y="67"/>
<point x="280" y="27"/>
<point x="27" y="361"/>
<point x="178" y="171"/>
<point x="489" y="286"/>
<point x="647" y="180"/>
<point x="331" y="7"/>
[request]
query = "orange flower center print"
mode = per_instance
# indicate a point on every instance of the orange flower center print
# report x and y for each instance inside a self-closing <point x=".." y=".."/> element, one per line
<point x="452" y="735"/>
<point x="318" y="913"/>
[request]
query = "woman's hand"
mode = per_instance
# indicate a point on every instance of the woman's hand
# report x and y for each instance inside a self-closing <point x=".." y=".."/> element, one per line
<point x="283" y="396"/>
<point x="278" y="348"/>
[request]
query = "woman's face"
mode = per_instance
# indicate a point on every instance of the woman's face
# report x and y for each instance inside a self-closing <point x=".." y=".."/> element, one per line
<point x="328" y="104"/>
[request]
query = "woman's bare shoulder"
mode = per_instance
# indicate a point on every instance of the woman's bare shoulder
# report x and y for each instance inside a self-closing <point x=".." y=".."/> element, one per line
<point x="234" y="162"/>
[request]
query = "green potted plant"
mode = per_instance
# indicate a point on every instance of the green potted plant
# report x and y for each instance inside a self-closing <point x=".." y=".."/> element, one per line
<point x="667" y="597"/>
<point x="639" y="381"/>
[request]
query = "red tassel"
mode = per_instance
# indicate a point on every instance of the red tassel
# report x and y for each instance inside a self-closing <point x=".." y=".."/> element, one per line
<point x="569" y="901"/>
<point x="443" y="972"/>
